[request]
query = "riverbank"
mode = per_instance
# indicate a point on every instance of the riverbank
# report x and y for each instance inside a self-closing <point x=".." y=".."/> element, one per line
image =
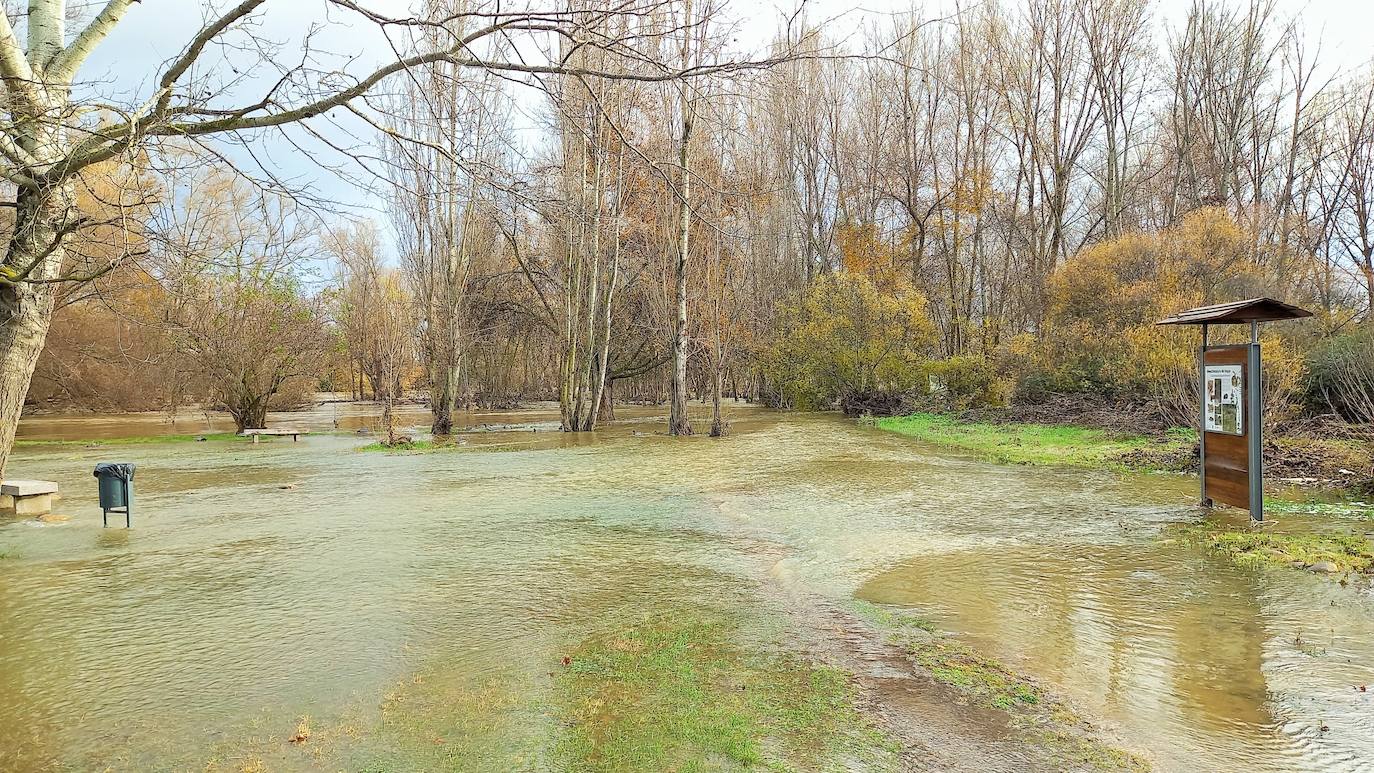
<point x="133" y="440"/>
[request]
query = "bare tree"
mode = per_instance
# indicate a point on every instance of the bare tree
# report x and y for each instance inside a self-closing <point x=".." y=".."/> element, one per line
<point x="375" y="315"/>
<point x="242" y="326"/>
<point x="50" y="136"/>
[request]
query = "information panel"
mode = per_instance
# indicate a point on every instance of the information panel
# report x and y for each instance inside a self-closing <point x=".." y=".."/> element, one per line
<point x="1226" y="462"/>
<point x="1225" y="402"/>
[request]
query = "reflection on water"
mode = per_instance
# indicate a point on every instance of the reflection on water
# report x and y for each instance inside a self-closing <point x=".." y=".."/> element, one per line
<point x="263" y="583"/>
<point x="1238" y="668"/>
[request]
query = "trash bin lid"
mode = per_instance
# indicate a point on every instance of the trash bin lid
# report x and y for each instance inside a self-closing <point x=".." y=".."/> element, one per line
<point x="121" y="470"/>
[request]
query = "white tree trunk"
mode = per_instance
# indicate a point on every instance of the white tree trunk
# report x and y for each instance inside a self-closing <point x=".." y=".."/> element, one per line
<point x="37" y="250"/>
<point x="26" y="307"/>
<point x="678" y="422"/>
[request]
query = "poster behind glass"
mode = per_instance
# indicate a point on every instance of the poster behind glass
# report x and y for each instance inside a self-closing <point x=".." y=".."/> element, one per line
<point x="1224" y="400"/>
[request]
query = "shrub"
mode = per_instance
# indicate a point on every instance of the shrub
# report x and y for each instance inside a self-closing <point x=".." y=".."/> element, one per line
<point x="846" y="341"/>
<point x="1342" y="375"/>
<point x="1100" y="334"/>
<point x="968" y="381"/>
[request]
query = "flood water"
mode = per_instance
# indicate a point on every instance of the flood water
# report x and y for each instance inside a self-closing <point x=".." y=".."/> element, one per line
<point x="262" y="584"/>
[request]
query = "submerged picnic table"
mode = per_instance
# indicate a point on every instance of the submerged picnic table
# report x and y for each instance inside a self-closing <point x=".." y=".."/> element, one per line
<point x="294" y="432"/>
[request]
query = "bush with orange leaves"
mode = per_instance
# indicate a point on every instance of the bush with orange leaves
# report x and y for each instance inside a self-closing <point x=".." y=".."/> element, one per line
<point x="1099" y="334"/>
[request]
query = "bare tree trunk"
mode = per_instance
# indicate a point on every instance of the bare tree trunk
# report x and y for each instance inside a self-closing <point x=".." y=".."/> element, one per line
<point x="717" y="424"/>
<point x="678" y="423"/>
<point x="389" y="419"/>
<point x="444" y="397"/>
<point x="252" y="415"/>
<point x="603" y="355"/>
<point x="25" y="311"/>
<point x="38" y="241"/>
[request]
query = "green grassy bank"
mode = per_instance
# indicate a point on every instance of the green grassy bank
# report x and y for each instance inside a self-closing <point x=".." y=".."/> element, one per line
<point x="1041" y="443"/>
<point x="673" y="693"/>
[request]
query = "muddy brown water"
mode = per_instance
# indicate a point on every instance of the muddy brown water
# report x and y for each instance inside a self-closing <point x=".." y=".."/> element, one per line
<point x="265" y="583"/>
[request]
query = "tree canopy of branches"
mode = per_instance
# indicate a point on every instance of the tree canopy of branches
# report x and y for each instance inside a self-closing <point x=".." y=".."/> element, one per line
<point x="56" y="127"/>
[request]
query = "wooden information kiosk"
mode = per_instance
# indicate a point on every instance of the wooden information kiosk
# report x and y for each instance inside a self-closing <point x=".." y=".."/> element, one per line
<point x="1230" y="422"/>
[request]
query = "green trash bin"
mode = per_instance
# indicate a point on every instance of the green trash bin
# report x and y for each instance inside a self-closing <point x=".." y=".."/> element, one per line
<point x="116" y="482"/>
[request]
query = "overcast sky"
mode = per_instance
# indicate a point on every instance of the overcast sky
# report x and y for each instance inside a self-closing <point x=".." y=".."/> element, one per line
<point x="156" y="30"/>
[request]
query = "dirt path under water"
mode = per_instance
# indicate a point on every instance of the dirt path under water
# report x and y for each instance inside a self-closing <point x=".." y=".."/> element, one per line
<point x="937" y="726"/>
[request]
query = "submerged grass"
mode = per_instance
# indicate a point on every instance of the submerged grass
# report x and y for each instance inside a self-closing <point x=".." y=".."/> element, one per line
<point x="677" y="693"/>
<point x="1031" y="443"/>
<point x="1349" y="508"/>
<point x="1346" y="551"/>
<point x="1043" y="717"/>
<point x="438" y="446"/>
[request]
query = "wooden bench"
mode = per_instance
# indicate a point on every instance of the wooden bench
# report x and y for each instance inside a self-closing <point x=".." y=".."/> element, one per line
<point x="27" y="497"/>
<point x="294" y="432"/>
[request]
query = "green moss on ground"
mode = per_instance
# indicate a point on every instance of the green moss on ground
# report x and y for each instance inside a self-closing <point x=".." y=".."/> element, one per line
<point x="1349" y="552"/>
<point x="676" y="693"/>
<point x="1034" y="443"/>
<point x="1043" y="717"/>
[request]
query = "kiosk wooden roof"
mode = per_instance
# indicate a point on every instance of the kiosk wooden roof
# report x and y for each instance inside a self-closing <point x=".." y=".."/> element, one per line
<point x="1237" y="313"/>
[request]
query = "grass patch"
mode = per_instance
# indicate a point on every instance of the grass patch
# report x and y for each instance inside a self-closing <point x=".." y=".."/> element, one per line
<point x="987" y="679"/>
<point x="442" y="720"/>
<point x="1353" y="508"/>
<point x="676" y="693"/>
<point x="418" y="446"/>
<point x="131" y="441"/>
<point x="1044" y="718"/>
<point x="890" y="620"/>
<point x="950" y="662"/>
<point x="1030" y="443"/>
<point x="1252" y="548"/>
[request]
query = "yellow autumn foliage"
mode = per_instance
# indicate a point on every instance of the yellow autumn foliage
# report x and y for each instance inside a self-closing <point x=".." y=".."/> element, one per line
<point x="1100" y="334"/>
<point x="846" y="338"/>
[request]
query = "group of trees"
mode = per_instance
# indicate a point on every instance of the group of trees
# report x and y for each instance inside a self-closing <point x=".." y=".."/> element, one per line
<point x="997" y="203"/>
